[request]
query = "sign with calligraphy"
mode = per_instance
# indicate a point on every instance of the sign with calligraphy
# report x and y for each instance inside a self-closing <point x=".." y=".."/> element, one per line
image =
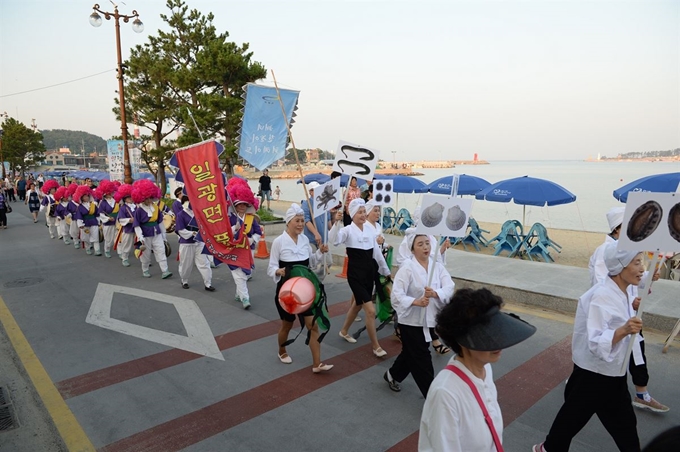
<point x="199" y="169"/>
<point x="264" y="135"/>
<point x="355" y="160"/>
<point x="116" y="160"/>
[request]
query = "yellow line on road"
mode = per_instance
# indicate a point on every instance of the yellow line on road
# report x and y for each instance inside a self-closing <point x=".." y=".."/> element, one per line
<point x="70" y="430"/>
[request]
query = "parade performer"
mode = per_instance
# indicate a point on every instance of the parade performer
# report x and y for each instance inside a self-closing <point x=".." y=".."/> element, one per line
<point x="598" y="273"/>
<point x="49" y="205"/>
<point x="146" y="223"/>
<point x="290" y="249"/>
<point x="61" y="197"/>
<point x="108" y="212"/>
<point x="417" y="306"/>
<point x="598" y="385"/>
<point x="463" y="396"/>
<point x="191" y="248"/>
<point x="126" y="239"/>
<point x="243" y="221"/>
<point x="404" y="252"/>
<point x="87" y="217"/>
<point x="362" y="250"/>
<point x="177" y="204"/>
<point x="72" y="208"/>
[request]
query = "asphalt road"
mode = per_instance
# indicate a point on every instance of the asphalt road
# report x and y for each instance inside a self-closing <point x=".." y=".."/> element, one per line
<point x="98" y="357"/>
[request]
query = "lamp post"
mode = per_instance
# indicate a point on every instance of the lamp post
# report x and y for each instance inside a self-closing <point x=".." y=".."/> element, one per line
<point x="2" y="158"/>
<point x="137" y="27"/>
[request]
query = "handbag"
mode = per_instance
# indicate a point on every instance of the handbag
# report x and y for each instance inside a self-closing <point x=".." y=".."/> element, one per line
<point x="9" y="208"/>
<point x="487" y="417"/>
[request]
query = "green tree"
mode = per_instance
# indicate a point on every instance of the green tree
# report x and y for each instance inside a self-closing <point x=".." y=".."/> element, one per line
<point x="290" y="157"/>
<point x="21" y="146"/>
<point x="189" y="70"/>
<point x="75" y="140"/>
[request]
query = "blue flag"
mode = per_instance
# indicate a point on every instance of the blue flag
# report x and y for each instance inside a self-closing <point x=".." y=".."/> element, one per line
<point x="264" y="136"/>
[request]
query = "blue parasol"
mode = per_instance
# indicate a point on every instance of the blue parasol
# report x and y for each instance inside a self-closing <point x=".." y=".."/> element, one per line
<point x="403" y="184"/>
<point x="527" y="191"/>
<point x="658" y="183"/>
<point x="467" y="185"/>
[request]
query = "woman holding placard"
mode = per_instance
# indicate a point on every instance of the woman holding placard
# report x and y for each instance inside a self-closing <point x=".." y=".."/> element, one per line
<point x="289" y="249"/>
<point x="417" y="306"/>
<point x="362" y="251"/>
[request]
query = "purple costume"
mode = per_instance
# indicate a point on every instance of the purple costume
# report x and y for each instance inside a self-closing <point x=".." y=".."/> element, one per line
<point x="62" y="210"/>
<point x="126" y="212"/>
<point x="141" y="219"/>
<point x="254" y="230"/>
<point x="105" y="208"/>
<point x="177" y="208"/>
<point x="186" y="221"/>
<point x="83" y="214"/>
<point x="72" y="208"/>
<point x="46" y="201"/>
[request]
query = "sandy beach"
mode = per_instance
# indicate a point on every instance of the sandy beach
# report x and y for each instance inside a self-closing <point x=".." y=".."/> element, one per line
<point x="577" y="246"/>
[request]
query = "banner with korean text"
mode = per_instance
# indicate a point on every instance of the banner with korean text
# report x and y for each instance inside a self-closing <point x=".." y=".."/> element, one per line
<point x="116" y="158"/>
<point x="199" y="169"/>
<point x="264" y="135"/>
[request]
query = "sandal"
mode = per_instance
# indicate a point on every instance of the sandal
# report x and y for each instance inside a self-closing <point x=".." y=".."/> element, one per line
<point x="322" y="368"/>
<point x="441" y="349"/>
<point x="285" y="359"/>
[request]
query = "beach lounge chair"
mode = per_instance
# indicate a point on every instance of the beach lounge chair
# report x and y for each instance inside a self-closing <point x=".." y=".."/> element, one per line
<point x="403" y="222"/>
<point x="389" y="220"/>
<point x="510" y="238"/>
<point x="537" y="242"/>
<point x="475" y="235"/>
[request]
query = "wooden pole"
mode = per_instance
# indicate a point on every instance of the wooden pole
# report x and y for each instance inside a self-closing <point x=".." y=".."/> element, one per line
<point x="297" y="159"/>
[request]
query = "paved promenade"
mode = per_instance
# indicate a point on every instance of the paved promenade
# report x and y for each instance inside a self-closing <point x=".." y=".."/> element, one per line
<point x="99" y="358"/>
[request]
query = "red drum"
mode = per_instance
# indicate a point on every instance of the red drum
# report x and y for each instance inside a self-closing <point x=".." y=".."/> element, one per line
<point x="297" y="295"/>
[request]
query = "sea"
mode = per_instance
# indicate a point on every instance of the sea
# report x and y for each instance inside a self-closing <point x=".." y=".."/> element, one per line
<point x="593" y="183"/>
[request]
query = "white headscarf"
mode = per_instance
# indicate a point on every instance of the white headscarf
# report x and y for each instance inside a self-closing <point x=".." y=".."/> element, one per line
<point x="615" y="217"/>
<point x="616" y="260"/>
<point x="293" y="211"/>
<point x="370" y="205"/>
<point x="355" y="205"/>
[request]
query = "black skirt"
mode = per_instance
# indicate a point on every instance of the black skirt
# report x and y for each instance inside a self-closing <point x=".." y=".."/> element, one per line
<point x="361" y="270"/>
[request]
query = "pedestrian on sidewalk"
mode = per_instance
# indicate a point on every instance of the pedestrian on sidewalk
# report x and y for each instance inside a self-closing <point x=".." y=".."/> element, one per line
<point x="291" y="248"/>
<point x="598" y="385"/>
<point x="9" y="189"/>
<point x="363" y="254"/>
<point x="33" y="201"/>
<point x="21" y="188"/>
<point x="417" y="305"/>
<point x="598" y="273"/>
<point x="474" y="326"/>
<point x="3" y="209"/>
<point x="265" y="188"/>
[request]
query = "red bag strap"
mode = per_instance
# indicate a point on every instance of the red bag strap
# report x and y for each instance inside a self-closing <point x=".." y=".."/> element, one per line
<point x="487" y="417"/>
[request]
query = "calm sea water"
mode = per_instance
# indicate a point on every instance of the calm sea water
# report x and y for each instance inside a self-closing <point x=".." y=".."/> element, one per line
<point x="591" y="182"/>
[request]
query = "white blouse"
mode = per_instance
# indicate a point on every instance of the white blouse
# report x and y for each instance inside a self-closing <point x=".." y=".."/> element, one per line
<point x="600" y="311"/>
<point x="285" y="249"/>
<point x="452" y="420"/>
<point x="409" y="285"/>
<point x="404" y="253"/>
<point x="353" y="237"/>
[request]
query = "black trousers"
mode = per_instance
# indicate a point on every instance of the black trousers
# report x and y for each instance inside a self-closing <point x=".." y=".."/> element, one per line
<point x="589" y="393"/>
<point x="414" y="358"/>
<point x="22" y="195"/>
<point x="639" y="374"/>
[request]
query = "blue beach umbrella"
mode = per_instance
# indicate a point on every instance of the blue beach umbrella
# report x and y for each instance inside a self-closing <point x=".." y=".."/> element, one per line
<point x="403" y="184"/>
<point x="323" y="178"/>
<point x="467" y="185"/>
<point x="658" y="183"/>
<point x="527" y="191"/>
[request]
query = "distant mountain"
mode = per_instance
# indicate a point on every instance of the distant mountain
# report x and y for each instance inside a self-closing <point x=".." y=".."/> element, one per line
<point x="74" y="140"/>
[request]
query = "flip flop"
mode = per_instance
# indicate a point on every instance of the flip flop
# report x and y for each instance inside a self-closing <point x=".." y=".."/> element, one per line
<point x="441" y="349"/>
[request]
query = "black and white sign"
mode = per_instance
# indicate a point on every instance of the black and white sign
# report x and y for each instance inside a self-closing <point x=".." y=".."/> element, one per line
<point x="444" y="216"/>
<point x="327" y="197"/>
<point x="383" y="192"/>
<point x="355" y="160"/>
<point x="651" y="222"/>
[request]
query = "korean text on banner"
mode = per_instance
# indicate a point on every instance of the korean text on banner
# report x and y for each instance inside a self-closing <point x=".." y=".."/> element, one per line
<point x="204" y="185"/>
<point x="116" y="160"/>
<point x="264" y="134"/>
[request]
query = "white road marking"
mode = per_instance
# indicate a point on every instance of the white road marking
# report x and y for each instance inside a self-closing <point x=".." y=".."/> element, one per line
<point x="199" y="338"/>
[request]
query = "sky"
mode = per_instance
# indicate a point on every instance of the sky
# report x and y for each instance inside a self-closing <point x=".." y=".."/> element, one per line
<point x="435" y="80"/>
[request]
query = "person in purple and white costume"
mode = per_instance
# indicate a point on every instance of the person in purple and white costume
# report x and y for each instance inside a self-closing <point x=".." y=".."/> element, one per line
<point x="87" y="217"/>
<point x="61" y="197"/>
<point x="147" y="217"/>
<point x="108" y="211"/>
<point x="125" y="219"/>
<point x="243" y="221"/>
<point x="49" y="205"/>
<point x="72" y="208"/>
<point x="191" y="249"/>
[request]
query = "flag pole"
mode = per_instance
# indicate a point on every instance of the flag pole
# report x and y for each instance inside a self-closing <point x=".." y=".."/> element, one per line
<point x="292" y="142"/>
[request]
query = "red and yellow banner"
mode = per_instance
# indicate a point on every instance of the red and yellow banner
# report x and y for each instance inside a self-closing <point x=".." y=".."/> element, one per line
<point x="199" y="166"/>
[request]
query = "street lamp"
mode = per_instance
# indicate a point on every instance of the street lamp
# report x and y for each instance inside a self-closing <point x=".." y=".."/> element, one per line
<point x="138" y="27"/>
<point x="4" y="116"/>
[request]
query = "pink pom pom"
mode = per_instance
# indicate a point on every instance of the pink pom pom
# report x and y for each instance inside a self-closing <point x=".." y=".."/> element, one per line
<point x="297" y="295"/>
